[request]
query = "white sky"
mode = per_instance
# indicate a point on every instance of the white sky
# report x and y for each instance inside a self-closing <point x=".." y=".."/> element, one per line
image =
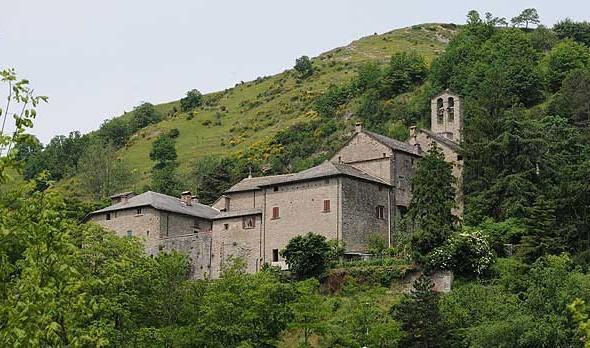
<point x="95" y="59"/>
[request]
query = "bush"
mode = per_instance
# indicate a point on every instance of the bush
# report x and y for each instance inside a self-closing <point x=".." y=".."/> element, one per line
<point x="467" y="253"/>
<point x="174" y="133"/>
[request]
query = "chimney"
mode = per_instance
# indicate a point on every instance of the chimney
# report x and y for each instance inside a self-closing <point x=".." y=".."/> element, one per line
<point x="121" y="197"/>
<point x="412" y="131"/>
<point x="194" y="200"/>
<point x="358" y="127"/>
<point x="186" y="197"/>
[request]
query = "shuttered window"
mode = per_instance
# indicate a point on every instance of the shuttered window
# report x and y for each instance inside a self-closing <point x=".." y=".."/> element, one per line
<point x="326" y="206"/>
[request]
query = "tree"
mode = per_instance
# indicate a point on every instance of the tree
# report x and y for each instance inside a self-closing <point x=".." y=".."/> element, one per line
<point x="304" y="67"/>
<point x="526" y="17"/>
<point x="573" y="99"/>
<point x="405" y="70"/>
<point x="564" y="58"/>
<point x="144" y="115"/>
<point x="307" y="256"/>
<point x="542" y="236"/>
<point x="310" y="310"/>
<point x="115" y="131"/>
<point x="577" y="31"/>
<point x="433" y="198"/>
<point x="193" y="99"/>
<point x="102" y="172"/>
<point x="164" y="177"/>
<point x="419" y="316"/>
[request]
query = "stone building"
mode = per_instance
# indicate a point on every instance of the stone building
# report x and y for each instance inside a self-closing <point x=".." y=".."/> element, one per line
<point x="361" y="192"/>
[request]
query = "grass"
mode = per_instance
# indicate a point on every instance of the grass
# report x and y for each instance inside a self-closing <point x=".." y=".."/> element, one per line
<point x="256" y="110"/>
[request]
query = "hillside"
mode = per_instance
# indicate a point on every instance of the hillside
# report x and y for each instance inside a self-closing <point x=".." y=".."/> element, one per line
<point x="254" y="111"/>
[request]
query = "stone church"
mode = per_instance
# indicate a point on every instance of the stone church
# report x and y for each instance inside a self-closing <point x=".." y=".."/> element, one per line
<point x="360" y="192"/>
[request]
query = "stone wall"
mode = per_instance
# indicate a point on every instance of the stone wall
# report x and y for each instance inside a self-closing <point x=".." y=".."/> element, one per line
<point x="359" y="220"/>
<point x="245" y="200"/>
<point x="362" y="148"/>
<point x="231" y="239"/>
<point x="380" y="167"/>
<point x="145" y="225"/>
<point x="172" y="224"/>
<point x="197" y="246"/>
<point x="447" y="125"/>
<point x="301" y="210"/>
<point x="403" y="170"/>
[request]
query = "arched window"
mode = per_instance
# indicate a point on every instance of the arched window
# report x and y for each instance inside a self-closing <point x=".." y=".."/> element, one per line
<point x="451" y="109"/>
<point x="440" y="110"/>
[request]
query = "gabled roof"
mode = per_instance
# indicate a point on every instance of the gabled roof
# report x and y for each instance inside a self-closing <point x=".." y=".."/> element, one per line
<point x="162" y="202"/>
<point x="248" y="184"/>
<point x="324" y="170"/>
<point x="392" y="143"/>
<point x="443" y="140"/>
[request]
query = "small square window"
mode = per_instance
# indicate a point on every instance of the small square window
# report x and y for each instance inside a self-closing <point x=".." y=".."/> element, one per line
<point x="108" y="216"/>
<point x="459" y="158"/>
<point x="138" y="212"/>
<point x="275" y="213"/>
<point x="275" y="188"/>
<point x="275" y="255"/>
<point x="226" y="226"/>
<point x="129" y="233"/>
<point x="326" y="181"/>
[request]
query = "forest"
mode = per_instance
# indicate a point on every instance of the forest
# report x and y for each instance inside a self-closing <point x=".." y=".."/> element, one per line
<point x="520" y="254"/>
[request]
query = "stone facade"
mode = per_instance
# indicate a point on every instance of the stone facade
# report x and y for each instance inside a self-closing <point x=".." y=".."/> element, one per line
<point x="359" y="193"/>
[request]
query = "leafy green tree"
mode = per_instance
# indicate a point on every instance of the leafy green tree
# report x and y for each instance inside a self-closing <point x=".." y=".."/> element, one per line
<point x="573" y="99"/>
<point x="420" y="317"/>
<point x="193" y="99"/>
<point x="115" y="131"/>
<point x="307" y="256"/>
<point x="304" y="67"/>
<point x="433" y="197"/>
<point x="542" y="236"/>
<point x="526" y="17"/>
<point x="102" y="172"/>
<point x="310" y="310"/>
<point x="211" y="176"/>
<point x="564" y="58"/>
<point x="144" y="115"/>
<point x="368" y="77"/>
<point x="164" y="177"/>
<point x="404" y="71"/>
<point x="577" y="31"/>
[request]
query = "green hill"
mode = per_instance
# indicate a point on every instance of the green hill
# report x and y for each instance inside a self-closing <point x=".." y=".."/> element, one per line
<point x="255" y="111"/>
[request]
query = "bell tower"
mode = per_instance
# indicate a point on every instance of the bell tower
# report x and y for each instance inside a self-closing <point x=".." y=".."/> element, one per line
<point x="447" y="115"/>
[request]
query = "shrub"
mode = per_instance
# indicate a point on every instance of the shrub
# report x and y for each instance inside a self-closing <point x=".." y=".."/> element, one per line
<point x="174" y="133"/>
<point x="304" y="67"/>
<point x="193" y="99"/>
<point x="466" y="253"/>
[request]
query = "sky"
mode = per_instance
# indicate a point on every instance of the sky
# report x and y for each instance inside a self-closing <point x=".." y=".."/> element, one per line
<point x="97" y="59"/>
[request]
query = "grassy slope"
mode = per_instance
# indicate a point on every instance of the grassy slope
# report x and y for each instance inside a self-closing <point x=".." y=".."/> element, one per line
<point x="275" y="102"/>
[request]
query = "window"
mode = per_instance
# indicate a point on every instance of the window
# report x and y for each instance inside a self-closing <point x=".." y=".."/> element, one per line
<point x="380" y="212"/>
<point x="108" y="216"/>
<point x="138" y="211"/>
<point x="439" y="110"/>
<point x="326" y="205"/>
<point x="459" y="158"/>
<point x="275" y="255"/>
<point x="196" y="224"/>
<point x="451" y="109"/>
<point x="326" y="181"/>
<point x="147" y="233"/>
<point x="248" y="222"/>
<point x="129" y="233"/>
<point x="225" y="226"/>
<point x="384" y="155"/>
<point x="275" y="188"/>
<point x="275" y="213"/>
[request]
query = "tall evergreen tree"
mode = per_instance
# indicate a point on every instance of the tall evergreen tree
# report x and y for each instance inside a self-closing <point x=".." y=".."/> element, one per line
<point x="433" y="198"/>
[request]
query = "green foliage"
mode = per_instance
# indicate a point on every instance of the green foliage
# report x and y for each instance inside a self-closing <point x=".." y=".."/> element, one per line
<point x="577" y="31"/>
<point x="101" y="172"/>
<point x="467" y="253"/>
<point x="163" y="151"/>
<point x="565" y="57"/>
<point x="192" y="100"/>
<point x="307" y="256"/>
<point x="432" y="200"/>
<point x="164" y="177"/>
<point x="405" y="70"/>
<point x="144" y="115"/>
<point x="304" y="67"/>
<point x="115" y="131"/>
<point x="419" y="316"/>
<point x="573" y="100"/>
<point x="335" y="96"/>
<point x="526" y="17"/>
<point x="310" y="310"/>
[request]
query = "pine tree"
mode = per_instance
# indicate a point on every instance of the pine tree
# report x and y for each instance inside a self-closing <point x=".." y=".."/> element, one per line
<point x="432" y="200"/>
<point x="543" y="235"/>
